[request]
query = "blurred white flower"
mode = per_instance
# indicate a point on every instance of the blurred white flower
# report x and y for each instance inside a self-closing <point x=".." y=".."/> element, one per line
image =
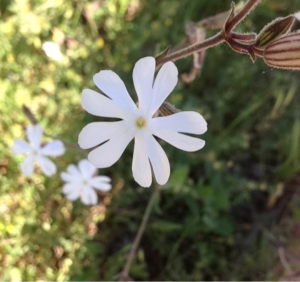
<point x="138" y="122"/>
<point x="81" y="182"/>
<point x="52" y="50"/>
<point x="297" y="16"/>
<point x="36" y="152"/>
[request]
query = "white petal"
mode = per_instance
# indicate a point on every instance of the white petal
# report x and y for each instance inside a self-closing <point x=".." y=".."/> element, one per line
<point x="159" y="160"/>
<point x="107" y="154"/>
<point x="297" y="16"/>
<point x="143" y="74"/>
<point x="112" y="85"/>
<point x="180" y="141"/>
<point x="101" y="183"/>
<point x="99" y="105"/>
<point x="187" y="122"/>
<point x="55" y="148"/>
<point x="72" y="169"/>
<point x="89" y="197"/>
<point x="48" y="167"/>
<point x="140" y="164"/>
<point x="72" y="174"/>
<point x="20" y="147"/>
<point x="27" y="166"/>
<point x="72" y="191"/>
<point x="165" y="82"/>
<point x="66" y="177"/>
<point x="96" y="133"/>
<point x="86" y="168"/>
<point x="34" y="135"/>
<point x="72" y="196"/>
<point x="71" y="187"/>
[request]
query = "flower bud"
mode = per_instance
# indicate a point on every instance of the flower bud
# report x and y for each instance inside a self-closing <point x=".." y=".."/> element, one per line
<point x="167" y="109"/>
<point x="273" y="31"/>
<point x="284" y="53"/>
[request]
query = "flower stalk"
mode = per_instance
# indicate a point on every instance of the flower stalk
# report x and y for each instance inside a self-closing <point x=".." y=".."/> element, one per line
<point x="206" y="44"/>
<point x="125" y="273"/>
<point x="232" y="21"/>
<point x="242" y="14"/>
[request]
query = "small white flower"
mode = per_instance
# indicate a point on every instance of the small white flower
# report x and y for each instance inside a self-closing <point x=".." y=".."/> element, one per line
<point x="81" y="182"/>
<point x="297" y="16"/>
<point x="52" y="50"/>
<point x="138" y="122"/>
<point x="36" y="152"/>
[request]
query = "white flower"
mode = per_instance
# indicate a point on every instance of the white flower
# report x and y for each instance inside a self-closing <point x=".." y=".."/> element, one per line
<point x="36" y="152"/>
<point x="138" y="122"/>
<point x="52" y="50"/>
<point x="297" y="16"/>
<point x="81" y="182"/>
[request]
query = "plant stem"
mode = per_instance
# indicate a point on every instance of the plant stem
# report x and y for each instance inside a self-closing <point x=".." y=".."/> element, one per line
<point x="137" y="239"/>
<point x="208" y="43"/>
<point x="248" y="7"/>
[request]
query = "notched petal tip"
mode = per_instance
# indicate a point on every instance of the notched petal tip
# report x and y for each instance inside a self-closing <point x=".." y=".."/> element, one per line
<point x="47" y="166"/>
<point x="34" y="134"/>
<point x="113" y="87"/>
<point x="83" y="141"/>
<point x="143" y="75"/>
<point x="141" y="168"/>
<point x="101" y="183"/>
<point x="20" y="147"/>
<point x="146" y="61"/>
<point x="140" y="183"/>
<point x="89" y="197"/>
<point x="84" y="138"/>
<point x="164" y="84"/>
<point x="142" y="180"/>
<point x="171" y="67"/>
<point x="27" y="166"/>
<point x="159" y="160"/>
<point x="99" y="105"/>
<point x="54" y="148"/>
<point x="86" y="168"/>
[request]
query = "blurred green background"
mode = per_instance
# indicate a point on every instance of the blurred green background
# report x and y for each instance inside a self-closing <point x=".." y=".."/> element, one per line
<point x="228" y="212"/>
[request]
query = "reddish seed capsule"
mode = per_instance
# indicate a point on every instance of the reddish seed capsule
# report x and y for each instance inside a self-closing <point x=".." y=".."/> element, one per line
<point x="284" y="53"/>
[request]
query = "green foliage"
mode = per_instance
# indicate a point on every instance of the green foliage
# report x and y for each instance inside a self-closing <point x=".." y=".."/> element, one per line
<point x="208" y="215"/>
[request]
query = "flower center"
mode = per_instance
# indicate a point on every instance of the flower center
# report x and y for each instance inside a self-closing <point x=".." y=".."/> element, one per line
<point x="140" y="123"/>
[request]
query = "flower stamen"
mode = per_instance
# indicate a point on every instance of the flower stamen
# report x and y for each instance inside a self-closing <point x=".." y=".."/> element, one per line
<point x="140" y="123"/>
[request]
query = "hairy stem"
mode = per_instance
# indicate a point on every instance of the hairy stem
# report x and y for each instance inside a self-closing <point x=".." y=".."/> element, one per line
<point x="244" y="37"/>
<point x="208" y="43"/>
<point x="137" y="239"/>
<point x="248" y="7"/>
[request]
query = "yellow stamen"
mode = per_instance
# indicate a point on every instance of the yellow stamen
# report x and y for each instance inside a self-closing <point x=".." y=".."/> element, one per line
<point x="140" y="123"/>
